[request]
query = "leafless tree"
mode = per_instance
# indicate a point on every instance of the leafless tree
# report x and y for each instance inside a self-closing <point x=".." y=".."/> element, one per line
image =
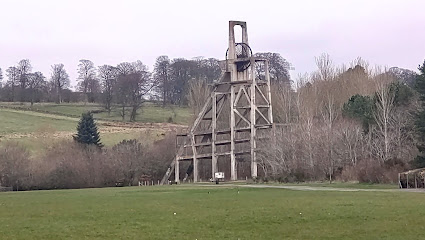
<point x="88" y="82"/>
<point x="24" y="68"/>
<point x="349" y="140"/>
<point x="383" y="114"/>
<point x="326" y="70"/>
<point x="162" y="79"/>
<point x="199" y="92"/>
<point x="206" y="68"/>
<point x="13" y="79"/>
<point x="35" y="82"/>
<point x="134" y="82"/>
<point x="60" y="80"/>
<point x="1" y="77"/>
<point x="107" y="76"/>
<point x="278" y="67"/>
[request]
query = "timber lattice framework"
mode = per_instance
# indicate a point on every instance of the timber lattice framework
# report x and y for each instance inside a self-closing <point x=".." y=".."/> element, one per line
<point x="234" y="117"/>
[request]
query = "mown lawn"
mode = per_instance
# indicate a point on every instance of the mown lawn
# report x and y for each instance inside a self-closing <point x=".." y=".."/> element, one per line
<point x="148" y="213"/>
<point x="344" y="185"/>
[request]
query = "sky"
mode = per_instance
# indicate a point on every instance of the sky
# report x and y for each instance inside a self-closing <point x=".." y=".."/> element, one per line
<point x="384" y="32"/>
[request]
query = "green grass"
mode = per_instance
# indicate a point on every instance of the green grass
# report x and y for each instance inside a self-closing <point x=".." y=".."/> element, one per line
<point x="346" y="185"/>
<point x="36" y="130"/>
<point x="147" y="113"/>
<point x="45" y="123"/>
<point x="151" y="113"/>
<point x="147" y="213"/>
<point x="16" y="121"/>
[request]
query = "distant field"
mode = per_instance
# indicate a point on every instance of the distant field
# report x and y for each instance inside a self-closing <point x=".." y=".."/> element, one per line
<point x="45" y="124"/>
<point x="149" y="112"/>
<point x="16" y="121"/>
<point x="210" y="213"/>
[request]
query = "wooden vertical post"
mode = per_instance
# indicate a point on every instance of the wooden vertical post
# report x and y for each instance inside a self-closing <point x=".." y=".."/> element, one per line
<point x="399" y="182"/>
<point x="407" y="180"/>
<point x="195" y="159"/>
<point x="253" y="121"/>
<point x="177" y="171"/>
<point x="269" y="95"/>
<point x="233" y="173"/>
<point x="416" y="182"/>
<point x="214" y="136"/>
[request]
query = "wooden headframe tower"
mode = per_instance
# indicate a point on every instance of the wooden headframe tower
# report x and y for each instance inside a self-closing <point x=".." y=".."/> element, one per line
<point x="231" y="121"/>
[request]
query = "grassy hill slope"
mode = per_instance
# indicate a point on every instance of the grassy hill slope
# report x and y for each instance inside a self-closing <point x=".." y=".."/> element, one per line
<point x="44" y="124"/>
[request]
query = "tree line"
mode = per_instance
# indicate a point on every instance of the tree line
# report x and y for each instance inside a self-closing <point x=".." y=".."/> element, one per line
<point x="351" y="122"/>
<point x="354" y="122"/>
<point x="126" y="85"/>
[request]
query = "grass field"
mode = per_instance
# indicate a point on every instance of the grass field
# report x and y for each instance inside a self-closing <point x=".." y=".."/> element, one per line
<point x="148" y="213"/>
<point x="16" y="121"/>
<point x="345" y="185"/>
<point x="46" y="123"/>
<point x="36" y="130"/>
<point x="149" y="112"/>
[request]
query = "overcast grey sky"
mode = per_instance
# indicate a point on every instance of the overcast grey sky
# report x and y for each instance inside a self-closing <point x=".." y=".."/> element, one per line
<point x="383" y="32"/>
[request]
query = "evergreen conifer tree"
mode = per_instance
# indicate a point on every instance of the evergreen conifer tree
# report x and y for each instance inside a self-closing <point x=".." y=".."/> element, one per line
<point x="419" y="161"/>
<point x="87" y="132"/>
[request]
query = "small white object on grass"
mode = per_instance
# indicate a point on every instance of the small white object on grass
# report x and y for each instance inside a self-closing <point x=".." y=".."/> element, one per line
<point x="174" y="213"/>
<point x="300" y="213"/>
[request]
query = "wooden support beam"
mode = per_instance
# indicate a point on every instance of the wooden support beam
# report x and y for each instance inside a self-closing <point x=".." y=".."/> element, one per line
<point x="233" y="172"/>
<point x="219" y="143"/>
<point x="253" y="119"/>
<point x="176" y="171"/>
<point x="269" y="95"/>
<point x="249" y="107"/>
<point x="214" y="166"/>
<point x="209" y="155"/>
<point x="195" y="160"/>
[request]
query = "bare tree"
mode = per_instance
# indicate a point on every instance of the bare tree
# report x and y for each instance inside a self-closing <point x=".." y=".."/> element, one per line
<point x="208" y="69"/>
<point x="60" y="80"/>
<point x="1" y="77"/>
<point x="383" y="114"/>
<point x="350" y="137"/>
<point x="107" y="76"/>
<point x="134" y="82"/>
<point x="199" y="92"/>
<point x="181" y="72"/>
<point x="326" y="70"/>
<point x="141" y="84"/>
<point x="325" y="74"/>
<point x="161" y="77"/>
<point x="88" y="82"/>
<point x="35" y="82"/>
<point x="13" y="79"/>
<point x="24" y="69"/>
<point x="278" y="67"/>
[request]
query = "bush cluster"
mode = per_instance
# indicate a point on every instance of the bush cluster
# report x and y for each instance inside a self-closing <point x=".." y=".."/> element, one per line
<point x="69" y="164"/>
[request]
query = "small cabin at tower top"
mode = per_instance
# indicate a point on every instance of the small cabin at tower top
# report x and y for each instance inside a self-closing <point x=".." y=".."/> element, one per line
<point x="236" y="115"/>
